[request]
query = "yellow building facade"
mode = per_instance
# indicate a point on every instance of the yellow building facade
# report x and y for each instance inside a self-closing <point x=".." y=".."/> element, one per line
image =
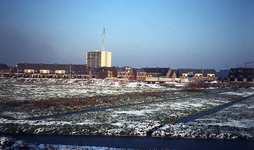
<point x="98" y="58"/>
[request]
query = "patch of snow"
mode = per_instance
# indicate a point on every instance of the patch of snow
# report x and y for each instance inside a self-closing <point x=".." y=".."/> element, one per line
<point x="244" y="94"/>
<point x="250" y="107"/>
<point x="197" y="105"/>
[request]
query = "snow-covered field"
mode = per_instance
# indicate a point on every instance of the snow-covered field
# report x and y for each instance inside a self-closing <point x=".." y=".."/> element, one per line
<point x="233" y="122"/>
<point x="29" y="89"/>
<point x="26" y="90"/>
<point x="16" y="95"/>
<point x="140" y="120"/>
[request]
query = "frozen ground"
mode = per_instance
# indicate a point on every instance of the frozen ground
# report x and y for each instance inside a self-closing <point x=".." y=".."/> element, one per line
<point x="29" y="89"/>
<point x="138" y="120"/>
<point x="15" y="94"/>
<point x="234" y="122"/>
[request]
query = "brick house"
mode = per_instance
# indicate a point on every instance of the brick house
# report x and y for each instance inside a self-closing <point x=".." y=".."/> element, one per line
<point x="139" y="74"/>
<point x="5" y="71"/>
<point x="157" y="72"/>
<point x="121" y="73"/>
<point x="241" y="75"/>
<point x="52" y="71"/>
<point x="222" y="75"/>
<point x="189" y="75"/>
<point x="104" y="72"/>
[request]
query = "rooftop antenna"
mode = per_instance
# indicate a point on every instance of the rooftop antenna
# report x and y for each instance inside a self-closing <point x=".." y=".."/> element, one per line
<point x="102" y="44"/>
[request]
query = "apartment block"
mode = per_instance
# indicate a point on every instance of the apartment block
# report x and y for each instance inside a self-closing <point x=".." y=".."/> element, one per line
<point x="98" y="59"/>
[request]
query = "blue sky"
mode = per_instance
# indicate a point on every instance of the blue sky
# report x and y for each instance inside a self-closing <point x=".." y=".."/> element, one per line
<point x="139" y="33"/>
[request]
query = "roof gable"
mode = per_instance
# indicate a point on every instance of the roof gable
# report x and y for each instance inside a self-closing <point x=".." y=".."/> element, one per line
<point x="75" y="69"/>
<point x="3" y="67"/>
<point x="222" y="74"/>
<point x="161" y="71"/>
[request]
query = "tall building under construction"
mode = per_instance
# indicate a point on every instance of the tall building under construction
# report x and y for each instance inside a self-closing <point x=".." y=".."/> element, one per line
<point x="99" y="58"/>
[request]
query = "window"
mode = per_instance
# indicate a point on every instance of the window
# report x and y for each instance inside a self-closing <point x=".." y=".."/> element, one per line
<point x="185" y="75"/>
<point x="198" y="75"/>
<point x="44" y="71"/>
<point x="60" y="71"/>
<point x="29" y="70"/>
<point x="210" y="75"/>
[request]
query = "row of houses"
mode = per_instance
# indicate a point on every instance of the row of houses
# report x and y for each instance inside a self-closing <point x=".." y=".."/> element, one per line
<point x="241" y="75"/>
<point x="158" y="74"/>
<point x="52" y="71"/>
<point x="5" y="70"/>
<point x="71" y="71"/>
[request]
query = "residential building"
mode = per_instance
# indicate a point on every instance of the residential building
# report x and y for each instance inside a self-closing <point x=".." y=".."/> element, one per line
<point x="157" y="72"/>
<point x="52" y="71"/>
<point x="190" y="75"/>
<point x="105" y="72"/>
<point x="241" y="75"/>
<point x="98" y="59"/>
<point x="222" y="75"/>
<point x="179" y="75"/>
<point x="5" y="71"/>
<point x="121" y="73"/>
<point x="139" y="74"/>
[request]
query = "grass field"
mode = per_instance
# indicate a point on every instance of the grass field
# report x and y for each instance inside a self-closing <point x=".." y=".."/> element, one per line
<point x="26" y="98"/>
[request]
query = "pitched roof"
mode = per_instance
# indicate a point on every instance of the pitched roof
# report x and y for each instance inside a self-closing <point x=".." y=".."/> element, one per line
<point x="181" y="71"/>
<point x="3" y="67"/>
<point x="75" y="69"/>
<point x="209" y="71"/>
<point x="79" y="69"/>
<point x="121" y="69"/>
<point x="195" y="71"/>
<point x="139" y="70"/>
<point x="222" y="74"/>
<point x="112" y="69"/>
<point x="172" y="72"/>
<point x="162" y="71"/>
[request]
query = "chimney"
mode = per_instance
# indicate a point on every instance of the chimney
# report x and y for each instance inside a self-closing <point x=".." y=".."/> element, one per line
<point x="25" y="63"/>
<point x="55" y="64"/>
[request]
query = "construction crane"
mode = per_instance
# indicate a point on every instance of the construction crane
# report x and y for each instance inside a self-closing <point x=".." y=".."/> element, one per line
<point x="245" y="63"/>
<point x="227" y="66"/>
<point x="102" y="44"/>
